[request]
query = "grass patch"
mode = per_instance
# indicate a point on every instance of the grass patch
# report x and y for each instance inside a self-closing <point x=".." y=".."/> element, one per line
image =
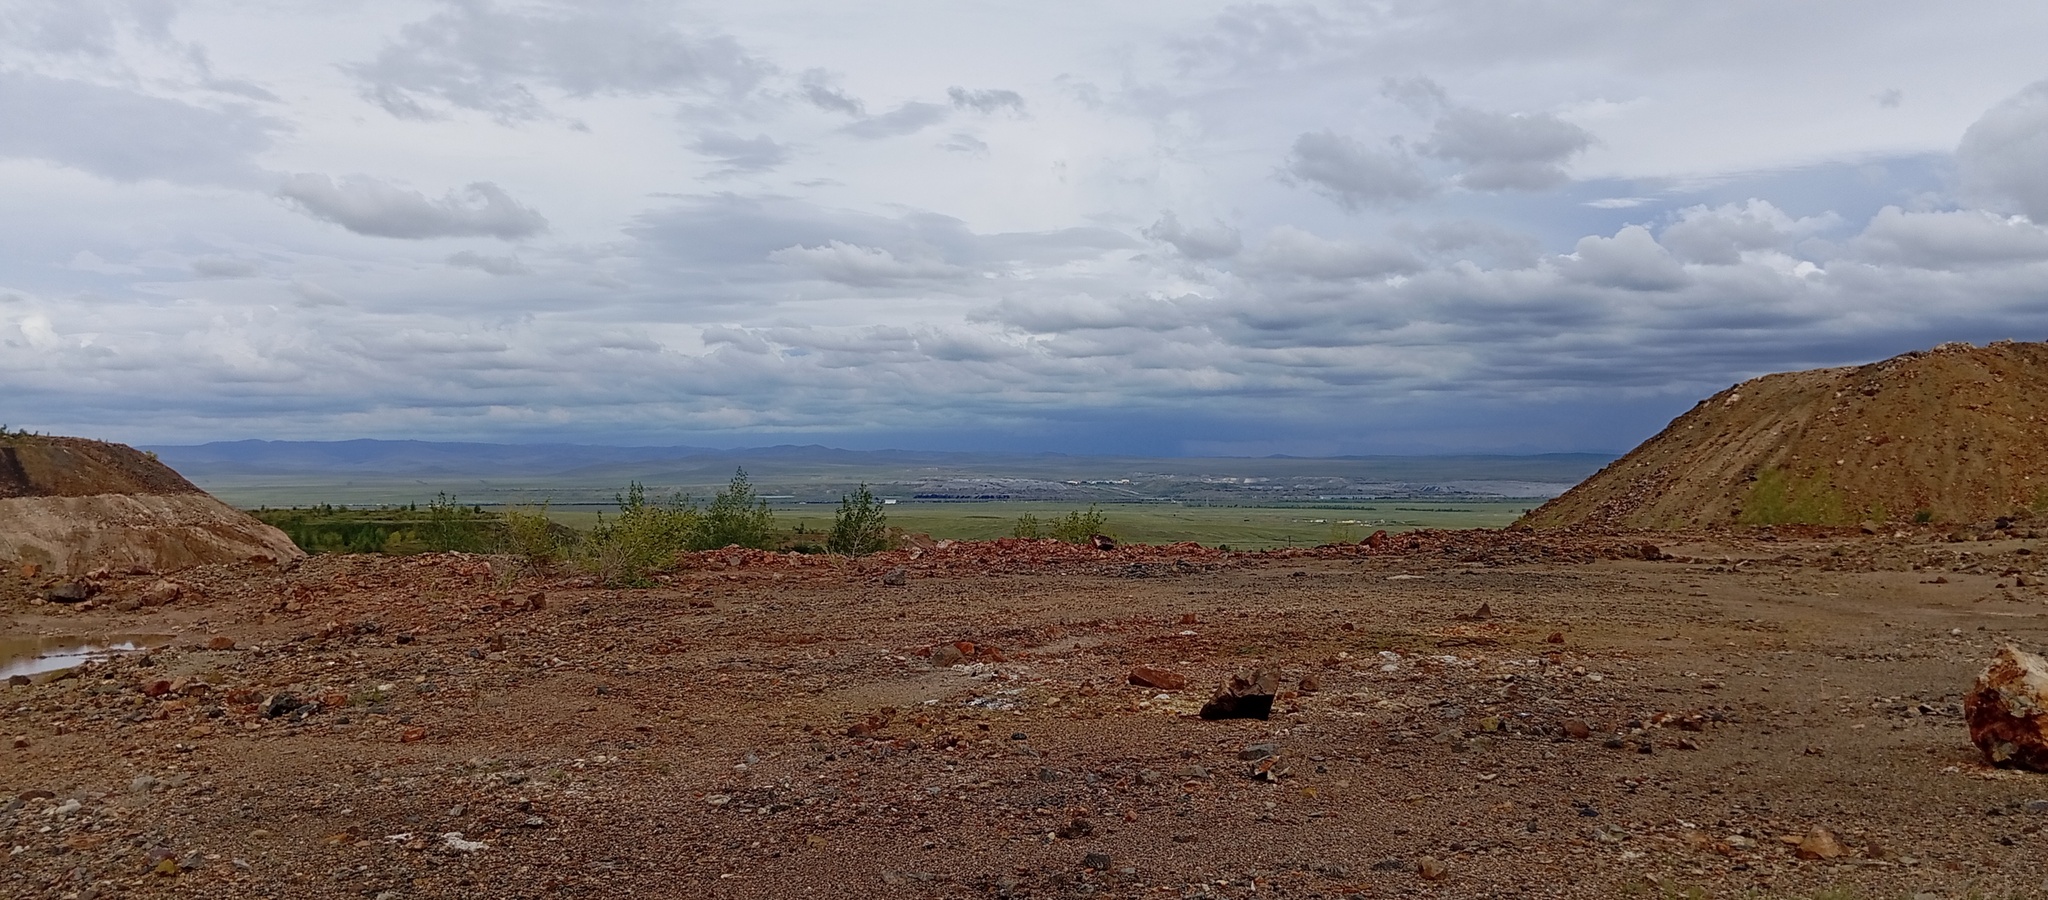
<point x="1778" y="497"/>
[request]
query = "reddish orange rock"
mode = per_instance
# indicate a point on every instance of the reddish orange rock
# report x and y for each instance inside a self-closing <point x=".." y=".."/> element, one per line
<point x="413" y="735"/>
<point x="220" y="642"/>
<point x="1158" y="679"/>
<point x="2007" y="710"/>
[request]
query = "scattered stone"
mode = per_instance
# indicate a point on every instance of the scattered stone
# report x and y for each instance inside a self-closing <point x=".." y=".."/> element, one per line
<point x="1102" y="542"/>
<point x="162" y="592"/>
<point x="1820" y="844"/>
<point x="947" y="655"/>
<point x="1257" y="752"/>
<point x="413" y="735"/>
<point x="1244" y="697"/>
<point x="1430" y="869"/>
<point x="21" y="742"/>
<point x="1157" y="678"/>
<point x="453" y="840"/>
<point x="1100" y="862"/>
<point x="2007" y="710"/>
<point x="897" y="577"/>
<point x="1076" y="828"/>
<point x="1309" y="684"/>
<point x="19" y="681"/>
<point x="1576" y="729"/>
<point x="276" y="705"/>
<point x="1556" y="637"/>
<point x="69" y="592"/>
<point x="220" y="642"/>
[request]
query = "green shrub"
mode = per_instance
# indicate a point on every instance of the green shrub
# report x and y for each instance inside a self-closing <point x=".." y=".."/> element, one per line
<point x="859" y="528"/>
<point x="1029" y="527"/>
<point x="1077" y="526"/>
<point x="643" y="538"/>
<point x="736" y="517"/>
<point x="530" y="536"/>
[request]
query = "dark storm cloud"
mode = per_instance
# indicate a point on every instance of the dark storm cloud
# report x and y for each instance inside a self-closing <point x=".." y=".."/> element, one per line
<point x="484" y="56"/>
<point x="2004" y="156"/>
<point x="1354" y="175"/>
<point x="365" y="205"/>
<point x="127" y="136"/>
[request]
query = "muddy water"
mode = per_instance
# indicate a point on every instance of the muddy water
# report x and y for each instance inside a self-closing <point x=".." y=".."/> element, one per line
<point x="48" y="653"/>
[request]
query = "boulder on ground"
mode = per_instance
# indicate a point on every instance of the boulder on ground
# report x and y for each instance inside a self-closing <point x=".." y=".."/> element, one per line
<point x="2007" y="710"/>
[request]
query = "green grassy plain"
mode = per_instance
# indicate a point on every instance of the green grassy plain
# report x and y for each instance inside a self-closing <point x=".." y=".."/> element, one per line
<point x="1241" y="527"/>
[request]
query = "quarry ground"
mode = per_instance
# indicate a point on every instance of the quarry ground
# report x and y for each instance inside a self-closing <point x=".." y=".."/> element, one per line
<point x="752" y="728"/>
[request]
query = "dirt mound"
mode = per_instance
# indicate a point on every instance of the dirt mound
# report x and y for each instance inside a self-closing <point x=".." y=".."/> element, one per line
<point x="70" y="505"/>
<point x="1954" y="434"/>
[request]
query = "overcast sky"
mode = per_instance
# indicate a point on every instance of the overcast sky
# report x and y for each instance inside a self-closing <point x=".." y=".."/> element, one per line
<point x="1146" y="226"/>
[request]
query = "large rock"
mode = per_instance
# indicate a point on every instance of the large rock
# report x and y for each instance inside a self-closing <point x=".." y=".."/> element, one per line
<point x="70" y="506"/>
<point x="2008" y="710"/>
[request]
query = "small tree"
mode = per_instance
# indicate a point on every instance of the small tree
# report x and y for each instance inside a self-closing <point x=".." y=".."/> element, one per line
<point x="1028" y="527"/>
<point x="736" y="516"/>
<point x="859" y="528"/>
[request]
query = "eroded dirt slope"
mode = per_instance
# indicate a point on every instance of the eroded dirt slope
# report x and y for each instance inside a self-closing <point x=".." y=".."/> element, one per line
<point x="72" y="506"/>
<point x="1958" y="432"/>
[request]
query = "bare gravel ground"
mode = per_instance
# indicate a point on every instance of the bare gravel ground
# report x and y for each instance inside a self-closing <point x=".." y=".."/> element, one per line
<point x="1603" y="727"/>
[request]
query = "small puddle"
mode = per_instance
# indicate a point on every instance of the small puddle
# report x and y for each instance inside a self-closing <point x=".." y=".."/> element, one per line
<point x="38" y="655"/>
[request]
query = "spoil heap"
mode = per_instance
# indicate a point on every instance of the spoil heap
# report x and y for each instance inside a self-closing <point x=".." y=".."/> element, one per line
<point x="69" y="505"/>
<point x="1954" y="434"/>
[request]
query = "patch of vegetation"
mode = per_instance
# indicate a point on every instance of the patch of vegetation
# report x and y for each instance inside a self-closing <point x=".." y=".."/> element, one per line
<point x="1778" y="497"/>
<point x="859" y="527"/>
<point x="444" y="525"/>
<point x="643" y="537"/>
<point x="736" y="517"/>
<point x="1077" y="526"/>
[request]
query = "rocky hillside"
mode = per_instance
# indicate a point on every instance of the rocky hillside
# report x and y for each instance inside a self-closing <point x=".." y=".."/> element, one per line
<point x="70" y="505"/>
<point x="1954" y="434"/>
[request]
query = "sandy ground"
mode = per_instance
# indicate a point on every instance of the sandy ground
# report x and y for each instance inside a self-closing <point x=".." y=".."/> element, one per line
<point x="759" y="730"/>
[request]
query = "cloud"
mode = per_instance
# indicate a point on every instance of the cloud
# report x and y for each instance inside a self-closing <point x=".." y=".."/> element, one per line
<point x="219" y="267"/>
<point x="496" y="265"/>
<point x="1631" y="259"/>
<point x="1506" y="151"/>
<point x="312" y="295"/>
<point x="1212" y="241"/>
<point x="1890" y="98"/>
<point x="126" y="136"/>
<point x="83" y="27"/>
<point x="1354" y="175"/>
<point x="860" y="266"/>
<point x="816" y="86"/>
<point x="483" y="56"/>
<point x="365" y="205"/>
<point x="2003" y="157"/>
<point x="1720" y="235"/>
<point x="987" y="101"/>
<point x="1952" y="240"/>
<point x="1291" y="251"/>
<point x="756" y="154"/>
<point x="910" y="118"/>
